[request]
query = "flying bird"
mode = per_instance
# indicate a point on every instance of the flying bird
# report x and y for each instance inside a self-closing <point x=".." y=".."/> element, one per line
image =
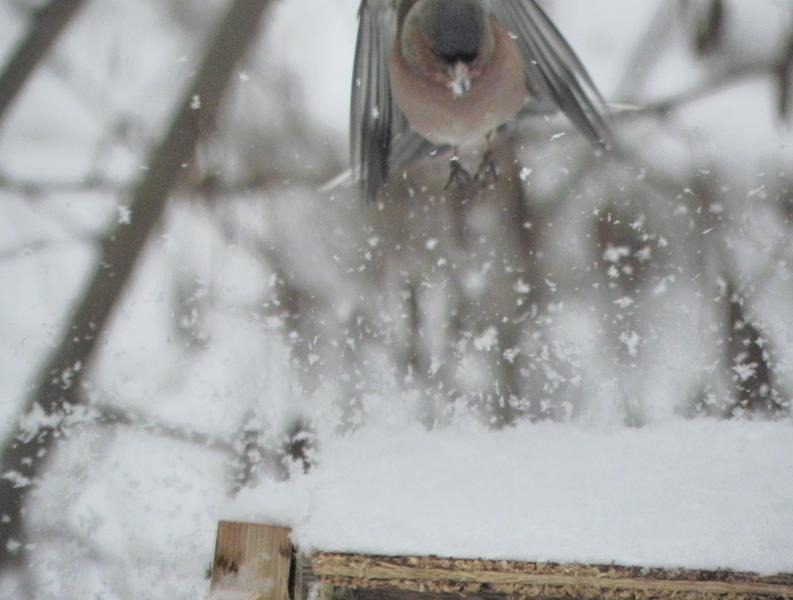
<point x="432" y="75"/>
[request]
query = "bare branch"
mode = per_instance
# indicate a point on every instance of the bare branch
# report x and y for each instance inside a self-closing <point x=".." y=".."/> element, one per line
<point x="48" y="23"/>
<point x="647" y="51"/>
<point x="701" y="89"/>
<point x="59" y="383"/>
<point x="125" y="417"/>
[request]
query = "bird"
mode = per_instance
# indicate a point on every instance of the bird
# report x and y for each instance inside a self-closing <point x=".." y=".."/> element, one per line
<point x="438" y="75"/>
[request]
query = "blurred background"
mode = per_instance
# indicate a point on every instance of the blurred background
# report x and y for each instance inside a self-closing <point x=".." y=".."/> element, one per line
<point x="184" y="314"/>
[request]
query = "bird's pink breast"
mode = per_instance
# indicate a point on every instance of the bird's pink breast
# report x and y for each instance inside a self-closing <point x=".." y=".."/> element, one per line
<point x="434" y="112"/>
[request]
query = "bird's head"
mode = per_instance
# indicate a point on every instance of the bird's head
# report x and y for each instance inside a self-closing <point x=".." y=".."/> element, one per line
<point x="447" y="41"/>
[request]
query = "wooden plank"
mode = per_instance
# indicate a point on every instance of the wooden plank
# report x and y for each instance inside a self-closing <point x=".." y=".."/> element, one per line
<point x="252" y="562"/>
<point x="432" y="577"/>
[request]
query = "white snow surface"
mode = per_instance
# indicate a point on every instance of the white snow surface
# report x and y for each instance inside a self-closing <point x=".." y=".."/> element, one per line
<point x="698" y="494"/>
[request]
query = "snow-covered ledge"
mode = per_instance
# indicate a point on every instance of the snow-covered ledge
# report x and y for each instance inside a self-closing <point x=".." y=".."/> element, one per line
<point x="700" y="501"/>
<point x="257" y="562"/>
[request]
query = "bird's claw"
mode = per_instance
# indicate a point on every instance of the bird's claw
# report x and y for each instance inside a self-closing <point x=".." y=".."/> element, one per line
<point x="458" y="176"/>
<point x="487" y="173"/>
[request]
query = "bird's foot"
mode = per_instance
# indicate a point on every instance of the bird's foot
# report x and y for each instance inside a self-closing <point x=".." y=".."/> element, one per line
<point x="458" y="176"/>
<point x="487" y="173"/>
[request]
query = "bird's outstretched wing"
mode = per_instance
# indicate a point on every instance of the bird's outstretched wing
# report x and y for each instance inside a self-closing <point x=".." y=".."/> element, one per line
<point x="380" y="139"/>
<point x="553" y="71"/>
<point x="372" y="110"/>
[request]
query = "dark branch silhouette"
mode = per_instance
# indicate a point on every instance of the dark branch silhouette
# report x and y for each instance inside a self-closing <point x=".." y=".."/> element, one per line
<point x="48" y="23"/>
<point x="59" y="383"/>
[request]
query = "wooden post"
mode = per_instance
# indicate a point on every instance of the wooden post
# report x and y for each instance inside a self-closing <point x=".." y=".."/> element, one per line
<point x="252" y="562"/>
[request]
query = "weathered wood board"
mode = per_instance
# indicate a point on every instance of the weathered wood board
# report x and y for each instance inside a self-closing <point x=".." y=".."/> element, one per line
<point x="252" y="562"/>
<point x="248" y="556"/>
<point x="431" y="577"/>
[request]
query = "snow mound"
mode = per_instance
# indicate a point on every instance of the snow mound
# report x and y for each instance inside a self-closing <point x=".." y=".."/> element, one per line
<point x="697" y="494"/>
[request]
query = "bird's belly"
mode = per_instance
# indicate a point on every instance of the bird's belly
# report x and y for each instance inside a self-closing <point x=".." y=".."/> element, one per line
<point x="435" y="113"/>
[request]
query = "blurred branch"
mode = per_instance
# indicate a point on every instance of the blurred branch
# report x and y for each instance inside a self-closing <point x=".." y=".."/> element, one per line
<point x="699" y="90"/>
<point x="647" y="51"/>
<point x="748" y="360"/>
<point x="658" y="109"/>
<point x="785" y="77"/>
<point x="219" y="188"/>
<point x="48" y="23"/>
<point x="83" y="88"/>
<point x="59" y="382"/>
<point x="115" y="415"/>
<point x="757" y="285"/>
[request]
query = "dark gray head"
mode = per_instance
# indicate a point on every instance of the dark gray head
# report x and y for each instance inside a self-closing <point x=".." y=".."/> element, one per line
<point x="455" y="29"/>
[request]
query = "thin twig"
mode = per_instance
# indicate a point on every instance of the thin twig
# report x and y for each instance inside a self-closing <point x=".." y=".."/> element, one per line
<point x="109" y="414"/>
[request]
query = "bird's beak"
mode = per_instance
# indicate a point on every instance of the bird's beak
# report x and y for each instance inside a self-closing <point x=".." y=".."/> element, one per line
<point x="460" y="79"/>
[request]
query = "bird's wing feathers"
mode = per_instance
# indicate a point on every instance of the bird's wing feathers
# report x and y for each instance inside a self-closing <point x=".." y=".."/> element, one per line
<point x="380" y="138"/>
<point x="553" y="71"/>
<point x="409" y="148"/>
<point x="373" y="115"/>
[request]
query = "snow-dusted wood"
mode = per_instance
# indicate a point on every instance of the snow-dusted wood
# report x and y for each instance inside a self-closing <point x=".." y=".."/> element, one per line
<point x="365" y="577"/>
<point x="252" y="562"/>
<point x="256" y="562"/>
